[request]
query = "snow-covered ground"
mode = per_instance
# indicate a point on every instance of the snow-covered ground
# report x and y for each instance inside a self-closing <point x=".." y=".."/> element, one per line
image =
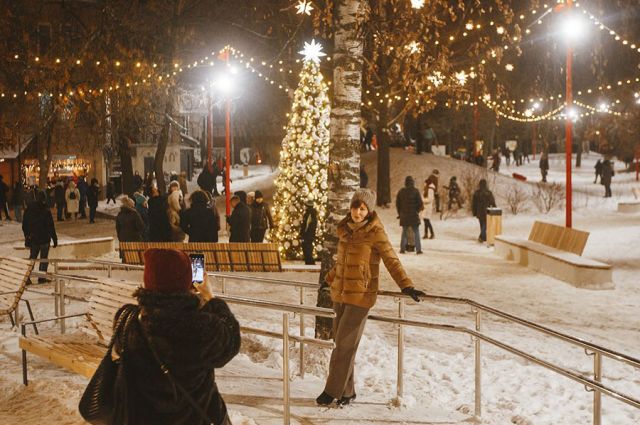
<point x="439" y="377"/>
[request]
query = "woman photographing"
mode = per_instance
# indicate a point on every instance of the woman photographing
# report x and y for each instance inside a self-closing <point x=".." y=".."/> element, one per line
<point x="354" y="288"/>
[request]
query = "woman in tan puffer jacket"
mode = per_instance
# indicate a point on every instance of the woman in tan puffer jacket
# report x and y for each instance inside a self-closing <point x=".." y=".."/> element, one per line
<point x="363" y="242"/>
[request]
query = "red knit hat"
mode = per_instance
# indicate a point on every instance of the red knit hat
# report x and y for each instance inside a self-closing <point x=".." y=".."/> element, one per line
<point x="167" y="270"/>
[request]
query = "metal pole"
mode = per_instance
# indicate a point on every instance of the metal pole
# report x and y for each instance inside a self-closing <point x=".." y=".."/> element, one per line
<point x="569" y="128"/>
<point x="302" y="334"/>
<point x="56" y="291"/>
<point x="109" y="270"/>
<point x="597" y="396"/>
<point x="478" y="371"/>
<point x="62" y="313"/>
<point x="210" y="134"/>
<point x="533" y="141"/>
<point x="227" y="147"/>
<point x="223" y="286"/>
<point x="285" y="368"/>
<point x="400" y="380"/>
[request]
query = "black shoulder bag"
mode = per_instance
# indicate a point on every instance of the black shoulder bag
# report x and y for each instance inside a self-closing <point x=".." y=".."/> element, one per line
<point x="104" y="401"/>
<point x="165" y="370"/>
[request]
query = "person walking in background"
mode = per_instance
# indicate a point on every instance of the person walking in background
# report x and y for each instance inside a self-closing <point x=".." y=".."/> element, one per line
<point x="308" y="230"/>
<point x="111" y="192"/>
<point x="598" y="168"/>
<point x="354" y="283"/>
<point x="454" y="193"/>
<point x="482" y="199"/>
<point x="129" y="224"/>
<point x="606" y="175"/>
<point x="148" y="184"/>
<point x="175" y="201"/>
<point x="82" y="188"/>
<point x="495" y="166"/>
<point x="434" y="179"/>
<point x="93" y="194"/>
<point x="59" y="196"/>
<point x="72" y="199"/>
<point x="544" y="165"/>
<point x="240" y="219"/>
<point x="4" y="190"/>
<point x="428" y="199"/>
<point x="200" y="221"/>
<point x="183" y="183"/>
<point x="176" y="340"/>
<point x="18" y="200"/>
<point x="364" y="177"/>
<point x="39" y="231"/>
<point x="137" y="181"/>
<point x="159" y="226"/>
<point x="408" y="205"/>
<point x="142" y="207"/>
<point x="261" y="219"/>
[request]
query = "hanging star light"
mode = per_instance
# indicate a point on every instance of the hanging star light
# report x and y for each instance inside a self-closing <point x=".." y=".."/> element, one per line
<point x="417" y="4"/>
<point x="312" y="52"/>
<point x="461" y="77"/>
<point x="304" y="7"/>
<point x="413" y="47"/>
<point x="436" y="78"/>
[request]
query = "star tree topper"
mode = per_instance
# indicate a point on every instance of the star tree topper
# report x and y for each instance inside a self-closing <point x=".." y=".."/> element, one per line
<point x="304" y="7"/>
<point x="312" y="52"/>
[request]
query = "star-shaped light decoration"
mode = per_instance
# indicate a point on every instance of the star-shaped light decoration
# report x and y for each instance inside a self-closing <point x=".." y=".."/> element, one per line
<point x="304" y="7"/>
<point x="417" y="4"/>
<point x="312" y="51"/>
<point x="461" y="77"/>
<point x="436" y="78"/>
<point x="413" y="47"/>
<point x="509" y="67"/>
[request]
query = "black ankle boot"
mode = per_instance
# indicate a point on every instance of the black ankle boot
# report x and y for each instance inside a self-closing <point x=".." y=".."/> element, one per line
<point x="345" y="400"/>
<point x="324" y="399"/>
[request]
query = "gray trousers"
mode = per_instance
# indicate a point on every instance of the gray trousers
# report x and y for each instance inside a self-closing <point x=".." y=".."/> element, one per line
<point x="348" y="327"/>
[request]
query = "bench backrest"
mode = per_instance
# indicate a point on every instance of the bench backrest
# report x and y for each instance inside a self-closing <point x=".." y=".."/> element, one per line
<point x="560" y="237"/>
<point x="218" y="257"/>
<point x="14" y="274"/>
<point x="106" y="299"/>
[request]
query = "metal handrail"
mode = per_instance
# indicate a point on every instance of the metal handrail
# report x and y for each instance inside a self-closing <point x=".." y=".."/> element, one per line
<point x="598" y="351"/>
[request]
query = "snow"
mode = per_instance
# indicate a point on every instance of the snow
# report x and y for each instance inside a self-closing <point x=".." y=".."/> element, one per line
<point x="439" y="366"/>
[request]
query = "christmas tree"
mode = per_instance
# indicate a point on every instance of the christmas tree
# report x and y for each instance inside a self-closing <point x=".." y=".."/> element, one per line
<point x="304" y="158"/>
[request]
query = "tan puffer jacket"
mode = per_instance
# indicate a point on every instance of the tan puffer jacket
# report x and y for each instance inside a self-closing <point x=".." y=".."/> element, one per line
<point x="354" y="278"/>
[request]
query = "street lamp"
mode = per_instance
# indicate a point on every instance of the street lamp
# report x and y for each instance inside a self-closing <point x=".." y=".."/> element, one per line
<point x="573" y="28"/>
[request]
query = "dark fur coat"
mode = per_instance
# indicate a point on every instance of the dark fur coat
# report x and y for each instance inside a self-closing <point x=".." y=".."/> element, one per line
<point x="192" y="341"/>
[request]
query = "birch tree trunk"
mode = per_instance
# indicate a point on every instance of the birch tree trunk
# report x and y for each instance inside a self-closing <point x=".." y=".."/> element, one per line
<point x="344" y="154"/>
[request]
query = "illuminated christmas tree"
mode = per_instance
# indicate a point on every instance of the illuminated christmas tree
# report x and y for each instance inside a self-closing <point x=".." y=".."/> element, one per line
<point x="304" y="158"/>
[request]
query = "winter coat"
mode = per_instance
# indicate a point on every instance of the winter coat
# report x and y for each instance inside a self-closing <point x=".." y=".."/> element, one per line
<point x="82" y="187"/>
<point x="72" y="198"/>
<point x="201" y="223"/>
<point x="174" y="212"/>
<point x="111" y="190"/>
<point x="482" y="199"/>
<point x="18" y="195"/>
<point x="544" y="162"/>
<point x="4" y="189"/>
<point x="428" y="201"/>
<point x="191" y="341"/>
<point x="354" y="278"/>
<point x="183" y="185"/>
<point x="37" y="225"/>
<point x="207" y="180"/>
<point x="240" y="222"/>
<point x="92" y="195"/>
<point x="59" y="195"/>
<point x="159" y="227"/>
<point x="129" y="225"/>
<point x="607" y="173"/>
<point x="364" y="178"/>
<point x="261" y="216"/>
<point x="309" y="225"/>
<point x="409" y="204"/>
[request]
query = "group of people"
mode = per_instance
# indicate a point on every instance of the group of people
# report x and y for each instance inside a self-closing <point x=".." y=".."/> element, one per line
<point x="604" y="170"/>
<point x="173" y="216"/>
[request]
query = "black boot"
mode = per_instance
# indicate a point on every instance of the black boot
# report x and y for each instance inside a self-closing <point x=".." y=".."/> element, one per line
<point x="324" y="399"/>
<point x="345" y="400"/>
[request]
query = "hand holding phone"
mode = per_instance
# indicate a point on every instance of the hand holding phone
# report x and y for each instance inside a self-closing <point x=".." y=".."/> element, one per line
<point x="199" y="276"/>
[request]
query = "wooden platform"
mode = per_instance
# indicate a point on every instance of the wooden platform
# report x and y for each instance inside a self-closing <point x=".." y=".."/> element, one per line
<point x="629" y="207"/>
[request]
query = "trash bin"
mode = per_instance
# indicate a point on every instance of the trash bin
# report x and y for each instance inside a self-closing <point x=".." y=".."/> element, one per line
<point x="494" y="224"/>
<point x="245" y="170"/>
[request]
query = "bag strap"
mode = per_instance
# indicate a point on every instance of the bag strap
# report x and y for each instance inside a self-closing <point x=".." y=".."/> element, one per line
<point x="165" y="370"/>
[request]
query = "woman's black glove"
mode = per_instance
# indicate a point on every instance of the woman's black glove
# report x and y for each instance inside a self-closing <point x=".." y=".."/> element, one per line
<point x="413" y="293"/>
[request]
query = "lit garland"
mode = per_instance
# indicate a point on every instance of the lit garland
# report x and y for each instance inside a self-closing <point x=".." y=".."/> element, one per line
<point x="633" y="46"/>
<point x="57" y="166"/>
<point x="303" y="163"/>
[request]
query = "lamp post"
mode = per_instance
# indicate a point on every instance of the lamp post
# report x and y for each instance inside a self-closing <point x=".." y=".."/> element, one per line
<point x="224" y="84"/>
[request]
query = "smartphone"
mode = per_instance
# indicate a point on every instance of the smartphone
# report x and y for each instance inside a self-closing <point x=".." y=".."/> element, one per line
<point x="197" y="268"/>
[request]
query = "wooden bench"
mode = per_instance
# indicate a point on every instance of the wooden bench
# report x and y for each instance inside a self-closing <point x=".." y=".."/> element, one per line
<point x="14" y="275"/>
<point x="629" y="207"/>
<point x="81" y="351"/>
<point x="218" y="257"/>
<point x="556" y="251"/>
<point x="80" y="248"/>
